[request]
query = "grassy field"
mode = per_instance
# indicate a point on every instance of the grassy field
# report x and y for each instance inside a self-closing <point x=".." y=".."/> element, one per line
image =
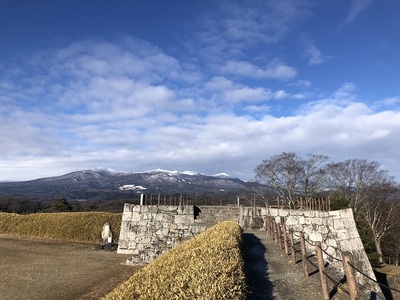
<point x="209" y="266"/>
<point x="74" y="227"/>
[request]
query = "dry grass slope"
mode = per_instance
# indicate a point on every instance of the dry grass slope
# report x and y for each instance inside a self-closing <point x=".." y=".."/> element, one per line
<point x="209" y="266"/>
<point x="74" y="227"/>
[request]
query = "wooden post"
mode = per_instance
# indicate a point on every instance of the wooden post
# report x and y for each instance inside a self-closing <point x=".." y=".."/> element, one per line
<point x="350" y="278"/>
<point x="159" y="199"/>
<point x="303" y="254"/>
<point x="329" y="203"/>
<point x="279" y="232"/>
<point x="151" y="199"/>
<point x="293" y="249"/>
<point x="301" y="203"/>
<point x="321" y="268"/>
<point x="269" y="226"/>
<point x="275" y="232"/>
<point x="284" y="235"/>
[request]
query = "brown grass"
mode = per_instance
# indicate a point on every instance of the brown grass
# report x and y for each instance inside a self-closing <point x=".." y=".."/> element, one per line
<point x="209" y="266"/>
<point x="75" y="227"/>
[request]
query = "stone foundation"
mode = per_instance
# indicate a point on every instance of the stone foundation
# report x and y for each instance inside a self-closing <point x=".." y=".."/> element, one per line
<point x="148" y="231"/>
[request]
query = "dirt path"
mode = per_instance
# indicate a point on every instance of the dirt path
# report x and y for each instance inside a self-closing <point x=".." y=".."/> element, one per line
<point x="43" y="269"/>
<point x="270" y="273"/>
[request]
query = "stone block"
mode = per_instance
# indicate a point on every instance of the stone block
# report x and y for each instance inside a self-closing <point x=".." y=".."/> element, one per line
<point x="307" y="230"/>
<point x="323" y="230"/>
<point x="342" y="235"/>
<point x="334" y="213"/>
<point x="173" y="227"/>
<point x="283" y="213"/>
<point x="179" y="219"/>
<point x="331" y="243"/>
<point x="315" y="237"/>
<point x="317" y="221"/>
<point x="291" y="221"/>
<point x="346" y="213"/>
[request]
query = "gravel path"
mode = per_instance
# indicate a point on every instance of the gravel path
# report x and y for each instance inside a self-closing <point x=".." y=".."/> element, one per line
<point x="44" y="269"/>
<point x="270" y="272"/>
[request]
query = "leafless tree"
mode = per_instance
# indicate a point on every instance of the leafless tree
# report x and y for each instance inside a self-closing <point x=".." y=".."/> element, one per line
<point x="353" y="177"/>
<point x="291" y="176"/>
<point x="381" y="211"/>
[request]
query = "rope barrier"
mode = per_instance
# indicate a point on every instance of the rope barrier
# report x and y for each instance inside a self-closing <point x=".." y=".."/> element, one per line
<point x="373" y="280"/>
<point x="338" y="284"/>
<point x="331" y="256"/>
<point x="308" y="242"/>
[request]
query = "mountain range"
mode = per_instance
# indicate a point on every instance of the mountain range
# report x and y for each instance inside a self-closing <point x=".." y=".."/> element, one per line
<point x="103" y="184"/>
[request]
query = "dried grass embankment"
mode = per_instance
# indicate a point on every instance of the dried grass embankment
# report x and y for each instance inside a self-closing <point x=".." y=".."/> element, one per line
<point x="74" y="227"/>
<point x="209" y="266"/>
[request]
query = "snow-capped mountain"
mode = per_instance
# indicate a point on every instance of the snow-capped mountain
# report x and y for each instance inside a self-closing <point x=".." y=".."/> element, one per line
<point x="105" y="184"/>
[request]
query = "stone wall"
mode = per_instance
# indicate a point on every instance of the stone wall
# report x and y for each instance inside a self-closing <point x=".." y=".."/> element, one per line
<point x="336" y="230"/>
<point x="216" y="214"/>
<point x="148" y="231"/>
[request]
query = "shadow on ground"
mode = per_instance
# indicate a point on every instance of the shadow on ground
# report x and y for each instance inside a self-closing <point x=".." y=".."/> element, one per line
<point x="256" y="268"/>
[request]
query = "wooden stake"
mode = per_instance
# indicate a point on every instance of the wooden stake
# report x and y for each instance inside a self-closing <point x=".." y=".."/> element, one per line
<point x="350" y="278"/>
<point x="284" y="235"/>
<point x="304" y="254"/>
<point x="321" y="268"/>
<point x="275" y="232"/>
<point x="279" y="232"/>
<point x="293" y="249"/>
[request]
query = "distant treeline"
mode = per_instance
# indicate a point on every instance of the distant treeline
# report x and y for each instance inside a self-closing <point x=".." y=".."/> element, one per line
<point x="20" y="205"/>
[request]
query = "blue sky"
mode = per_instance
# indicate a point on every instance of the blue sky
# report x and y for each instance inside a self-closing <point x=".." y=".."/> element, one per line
<point x="208" y="86"/>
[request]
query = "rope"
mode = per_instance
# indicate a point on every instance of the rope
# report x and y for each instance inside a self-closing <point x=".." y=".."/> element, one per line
<point x="365" y="275"/>
<point x="331" y="256"/>
<point x="338" y="284"/>
<point x="308" y="242"/>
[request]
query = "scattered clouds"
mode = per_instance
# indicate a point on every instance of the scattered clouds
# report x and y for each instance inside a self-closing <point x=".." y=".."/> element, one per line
<point x="275" y="69"/>
<point x="229" y="99"/>
<point x="134" y="120"/>
<point x="356" y="8"/>
<point x="313" y="54"/>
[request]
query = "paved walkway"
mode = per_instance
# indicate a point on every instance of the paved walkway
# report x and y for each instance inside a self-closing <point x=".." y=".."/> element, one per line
<point x="270" y="272"/>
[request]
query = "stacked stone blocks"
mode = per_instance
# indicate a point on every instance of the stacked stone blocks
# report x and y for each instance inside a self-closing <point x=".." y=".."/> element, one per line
<point x="148" y="231"/>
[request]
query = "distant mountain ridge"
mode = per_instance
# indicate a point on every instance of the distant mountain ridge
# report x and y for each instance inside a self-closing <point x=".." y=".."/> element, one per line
<point x="103" y="184"/>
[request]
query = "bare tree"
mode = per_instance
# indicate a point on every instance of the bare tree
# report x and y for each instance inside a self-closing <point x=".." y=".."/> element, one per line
<point x="381" y="211"/>
<point x="353" y="177"/>
<point x="291" y="176"/>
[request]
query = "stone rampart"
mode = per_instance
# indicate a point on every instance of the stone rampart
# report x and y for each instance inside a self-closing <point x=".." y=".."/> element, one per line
<point x="336" y="230"/>
<point x="216" y="214"/>
<point x="148" y="231"/>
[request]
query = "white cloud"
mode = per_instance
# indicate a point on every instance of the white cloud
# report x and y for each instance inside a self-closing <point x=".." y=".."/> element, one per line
<point x="280" y="94"/>
<point x="356" y="8"/>
<point x="232" y="92"/>
<point x="275" y="69"/>
<point x="391" y="101"/>
<point x="314" y="55"/>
